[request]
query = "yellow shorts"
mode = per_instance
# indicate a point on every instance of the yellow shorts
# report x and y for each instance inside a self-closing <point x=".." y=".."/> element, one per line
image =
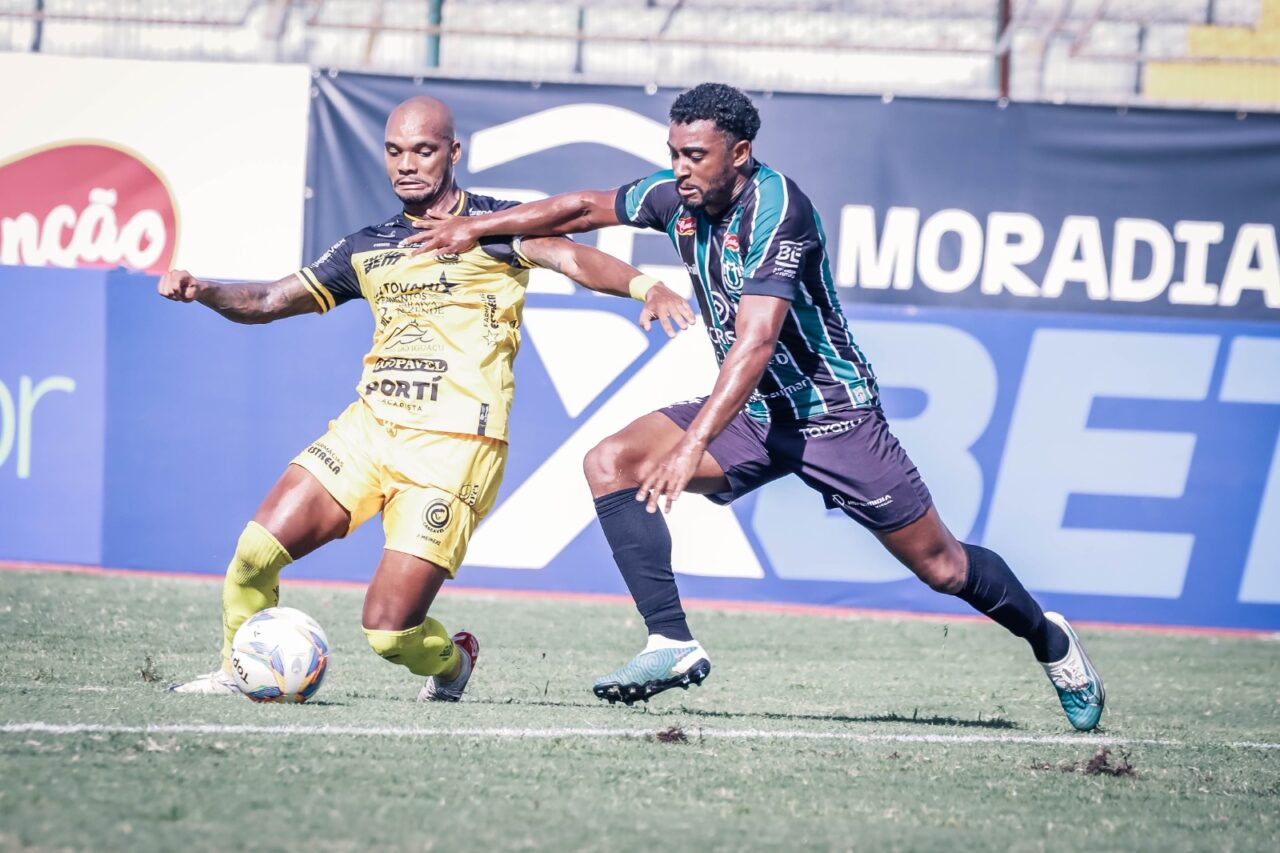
<point x="431" y="487"/>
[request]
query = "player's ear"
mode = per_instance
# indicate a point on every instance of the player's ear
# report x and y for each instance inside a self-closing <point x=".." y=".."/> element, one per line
<point x="455" y="152"/>
<point x="740" y="153"/>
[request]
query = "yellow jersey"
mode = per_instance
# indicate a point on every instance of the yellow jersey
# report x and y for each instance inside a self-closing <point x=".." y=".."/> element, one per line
<point x="446" y="327"/>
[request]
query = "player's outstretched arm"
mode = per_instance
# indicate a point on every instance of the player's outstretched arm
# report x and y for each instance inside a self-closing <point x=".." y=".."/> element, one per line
<point x="756" y="327"/>
<point x="241" y="303"/>
<point x="567" y="213"/>
<point x="604" y="273"/>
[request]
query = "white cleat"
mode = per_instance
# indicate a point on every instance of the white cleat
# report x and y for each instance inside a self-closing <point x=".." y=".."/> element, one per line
<point x="438" y="690"/>
<point x="216" y="683"/>
<point x="1078" y="684"/>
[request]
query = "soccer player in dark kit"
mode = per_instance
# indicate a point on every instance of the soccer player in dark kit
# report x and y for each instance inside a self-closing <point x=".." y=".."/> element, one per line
<point x="794" y="395"/>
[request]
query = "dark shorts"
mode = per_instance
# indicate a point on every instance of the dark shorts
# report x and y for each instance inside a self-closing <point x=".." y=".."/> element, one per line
<point x="849" y="457"/>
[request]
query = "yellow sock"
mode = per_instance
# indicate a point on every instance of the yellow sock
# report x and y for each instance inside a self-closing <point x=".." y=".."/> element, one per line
<point x="253" y="581"/>
<point x="425" y="650"/>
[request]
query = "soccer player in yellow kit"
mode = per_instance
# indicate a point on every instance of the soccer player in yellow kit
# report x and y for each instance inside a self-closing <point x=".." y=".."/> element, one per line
<point x="426" y="442"/>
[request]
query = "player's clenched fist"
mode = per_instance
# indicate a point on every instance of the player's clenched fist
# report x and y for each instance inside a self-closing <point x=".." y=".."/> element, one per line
<point x="179" y="285"/>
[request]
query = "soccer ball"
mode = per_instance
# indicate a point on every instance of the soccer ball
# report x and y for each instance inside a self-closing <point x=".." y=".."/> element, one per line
<point x="279" y="655"/>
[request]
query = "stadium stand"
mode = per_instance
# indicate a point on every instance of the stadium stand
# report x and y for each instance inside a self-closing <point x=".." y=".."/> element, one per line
<point x="1195" y="52"/>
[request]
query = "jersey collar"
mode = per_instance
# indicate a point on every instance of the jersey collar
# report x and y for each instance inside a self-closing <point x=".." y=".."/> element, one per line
<point x="457" y="210"/>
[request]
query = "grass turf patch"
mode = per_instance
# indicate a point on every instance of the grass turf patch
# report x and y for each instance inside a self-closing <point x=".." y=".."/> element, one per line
<point x="99" y="650"/>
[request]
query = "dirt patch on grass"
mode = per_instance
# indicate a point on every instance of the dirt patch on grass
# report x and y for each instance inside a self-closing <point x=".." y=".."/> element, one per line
<point x="1104" y="762"/>
<point x="675" y="734"/>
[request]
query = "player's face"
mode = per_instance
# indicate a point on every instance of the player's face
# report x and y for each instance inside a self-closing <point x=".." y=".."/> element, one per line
<point x="707" y="164"/>
<point x="420" y="160"/>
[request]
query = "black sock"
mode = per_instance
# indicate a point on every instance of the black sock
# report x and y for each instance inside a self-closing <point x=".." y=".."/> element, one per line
<point x="991" y="588"/>
<point x="641" y="547"/>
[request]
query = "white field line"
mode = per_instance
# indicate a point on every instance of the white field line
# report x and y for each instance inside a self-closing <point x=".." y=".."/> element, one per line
<point x="599" y="734"/>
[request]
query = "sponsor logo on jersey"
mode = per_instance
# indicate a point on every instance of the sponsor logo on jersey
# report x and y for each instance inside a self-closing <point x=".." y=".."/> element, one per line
<point x="383" y="259"/>
<point x="411" y="365"/>
<point x="782" y="392"/>
<point x="787" y="261"/>
<point x="491" y="330"/>
<point x="720" y="307"/>
<point x="86" y="205"/>
<point x="684" y="226"/>
<point x="731" y="243"/>
<point x="412" y="334"/>
<point x="326" y="455"/>
<point x="829" y="429"/>
<point x="874" y="503"/>
<point x="399" y="288"/>
<point x="722" y="338"/>
<point x="404" y="389"/>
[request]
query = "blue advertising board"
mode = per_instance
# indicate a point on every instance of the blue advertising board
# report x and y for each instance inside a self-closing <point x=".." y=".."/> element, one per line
<point x="926" y="202"/>
<point x="1072" y="312"/>
<point x="1127" y="467"/>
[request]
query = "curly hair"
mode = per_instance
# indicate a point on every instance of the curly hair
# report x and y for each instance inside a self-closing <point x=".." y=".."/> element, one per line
<point x="729" y="108"/>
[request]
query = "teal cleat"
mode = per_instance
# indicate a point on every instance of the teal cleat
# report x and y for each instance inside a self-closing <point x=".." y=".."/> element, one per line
<point x="651" y="672"/>
<point x="1078" y="684"/>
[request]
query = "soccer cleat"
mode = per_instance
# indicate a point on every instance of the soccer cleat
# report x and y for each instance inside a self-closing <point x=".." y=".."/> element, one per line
<point x="438" y="690"/>
<point x="1078" y="684"/>
<point x="216" y="683"/>
<point x="651" y="672"/>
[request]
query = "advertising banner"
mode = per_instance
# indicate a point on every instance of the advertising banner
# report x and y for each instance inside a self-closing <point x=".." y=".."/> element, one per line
<point x="151" y="165"/>
<point x="1128" y="468"/>
<point x="1072" y="313"/>
<point x="925" y="202"/>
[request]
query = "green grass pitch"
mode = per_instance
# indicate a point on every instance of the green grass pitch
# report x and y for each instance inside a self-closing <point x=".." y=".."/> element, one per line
<point x="812" y="733"/>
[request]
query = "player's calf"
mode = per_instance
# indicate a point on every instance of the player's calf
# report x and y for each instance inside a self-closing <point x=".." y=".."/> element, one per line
<point x="429" y="651"/>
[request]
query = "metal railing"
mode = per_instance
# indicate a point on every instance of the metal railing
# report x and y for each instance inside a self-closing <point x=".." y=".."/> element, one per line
<point x="1194" y="52"/>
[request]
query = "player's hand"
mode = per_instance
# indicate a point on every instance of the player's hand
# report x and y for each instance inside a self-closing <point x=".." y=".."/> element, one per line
<point x="179" y="285"/>
<point x="441" y="232"/>
<point x="670" y="478"/>
<point x="669" y="308"/>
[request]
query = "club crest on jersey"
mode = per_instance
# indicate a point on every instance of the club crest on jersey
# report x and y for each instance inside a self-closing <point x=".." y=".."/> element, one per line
<point x="731" y="271"/>
<point x="684" y="226"/>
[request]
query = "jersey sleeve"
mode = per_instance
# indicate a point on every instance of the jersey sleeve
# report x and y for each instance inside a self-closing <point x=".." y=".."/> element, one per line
<point x="501" y="248"/>
<point x="506" y="250"/>
<point x="331" y="278"/>
<point x="648" y="202"/>
<point x="784" y="240"/>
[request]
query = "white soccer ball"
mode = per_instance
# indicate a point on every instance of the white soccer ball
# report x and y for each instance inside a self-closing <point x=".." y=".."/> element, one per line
<point x="279" y="655"/>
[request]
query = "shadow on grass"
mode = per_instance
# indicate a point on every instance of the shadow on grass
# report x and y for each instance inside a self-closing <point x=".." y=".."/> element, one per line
<point x="915" y="719"/>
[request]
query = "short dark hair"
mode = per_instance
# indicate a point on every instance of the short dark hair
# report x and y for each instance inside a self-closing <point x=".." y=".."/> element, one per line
<point x="729" y="108"/>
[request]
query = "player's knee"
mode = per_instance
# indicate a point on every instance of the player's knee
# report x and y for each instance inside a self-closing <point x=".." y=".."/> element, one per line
<point x="608" y="464"/>
<point x="389" y="645"/>
<point x="943" y="569"/>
